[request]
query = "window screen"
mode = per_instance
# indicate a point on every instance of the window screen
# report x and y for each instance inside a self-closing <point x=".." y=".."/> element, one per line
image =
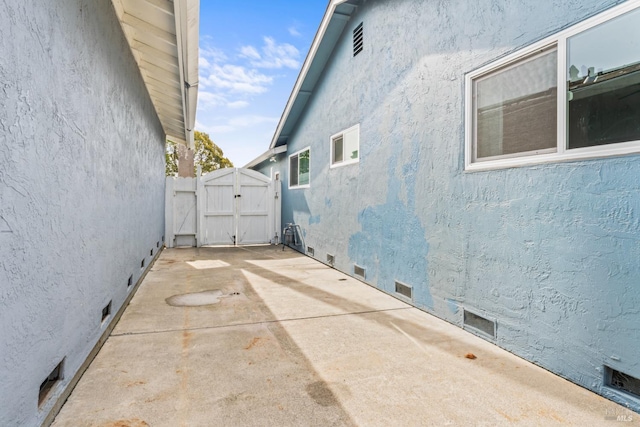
<point x="515" y="108"/>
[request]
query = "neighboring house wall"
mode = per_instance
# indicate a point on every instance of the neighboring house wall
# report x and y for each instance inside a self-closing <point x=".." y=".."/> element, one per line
<point x="549" y="251"/>
<point x="81" y="190"/>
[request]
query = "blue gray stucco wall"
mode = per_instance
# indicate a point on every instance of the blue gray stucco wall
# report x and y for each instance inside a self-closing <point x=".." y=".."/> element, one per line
<point x="548" y="251"/>
<point x="81" y="190"/>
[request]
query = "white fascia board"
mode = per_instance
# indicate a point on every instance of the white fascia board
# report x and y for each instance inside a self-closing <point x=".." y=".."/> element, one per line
<point x="306" y="66"/>
<point x="264" y="156"/>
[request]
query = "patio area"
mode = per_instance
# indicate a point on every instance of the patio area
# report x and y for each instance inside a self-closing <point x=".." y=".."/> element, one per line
<point x="257" y="336"/>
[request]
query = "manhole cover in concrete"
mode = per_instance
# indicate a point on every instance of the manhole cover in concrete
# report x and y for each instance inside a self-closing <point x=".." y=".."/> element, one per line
<point x="196" y="299"/>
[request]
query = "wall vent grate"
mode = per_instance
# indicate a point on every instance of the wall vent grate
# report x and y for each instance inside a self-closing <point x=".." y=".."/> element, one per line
<point x="49" y="382"/>
<point x="479" y="324"/>
<point x="130" y="281"/>
<point x="151" y="252"/>
<point x="158" y="244"/>
<point x="106" y="311"/>
<point x="622" y="382"/>
<point x="359" y="271"/>
<point x="310" y="251"/>
<point x="404" y="290"/>
<point x="142" y="263"/>
<point x="358" y="39"/>
<point x="331" y="259"/>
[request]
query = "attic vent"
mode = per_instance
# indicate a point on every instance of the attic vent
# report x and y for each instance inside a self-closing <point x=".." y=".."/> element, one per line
<point x="480" y="324"/>
<point x="358" y="271"/>
<point x="310" y="251"/>
<point x="623" y="382"/>
<point x="48" y="383"/>
<point x="330" y="259"/>
<point x="404" y="290"/>
<point x="357" y="40"/>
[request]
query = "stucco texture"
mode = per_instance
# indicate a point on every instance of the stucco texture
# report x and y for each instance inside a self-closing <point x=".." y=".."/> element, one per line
<point x="548" y="251"/>
<point x="81" y="189"/>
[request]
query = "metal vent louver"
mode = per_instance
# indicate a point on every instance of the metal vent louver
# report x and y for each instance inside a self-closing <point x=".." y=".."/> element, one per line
<point x="623" y="382"/>
<point x="358" y="37"/>
<point x="359" y="271"/>
<point x="330" y="259"/>
<point x="404" y="290"/>
<point x="480" y="324"/>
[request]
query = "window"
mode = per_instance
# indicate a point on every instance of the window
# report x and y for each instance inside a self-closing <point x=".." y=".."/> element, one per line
<point x="575" y="95"/>
<point x="299" y="169"/>
<point x="345" y="147"/>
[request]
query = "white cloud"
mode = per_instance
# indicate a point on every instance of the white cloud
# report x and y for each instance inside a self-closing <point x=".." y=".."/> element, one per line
<point x="209" y="99"/>
<point x="236" y="105"/>
<point x="249" y="52"/>
<point x="294" y="31"/>
<point x="236" y="78"/>
<point x="213" y="54"/>
<point x="273" y="55"/>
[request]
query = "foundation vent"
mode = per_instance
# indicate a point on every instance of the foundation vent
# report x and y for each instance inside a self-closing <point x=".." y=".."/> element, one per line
<point x="52" y="379"/>
<point x="404" y="290"/>
<point x="480" y="324"/>
<point x="622" y="382"/>
<point x="358" y="39"/>
<point x="142" y="263"/>
<point x="158" y="244"/>
<point x="129" y="281"/>
<point x="330" y="259"/>
<point x="359" y="271"/>
<point x="310" y="251"/>
<point x="151" y="252"/>
<point x="106" y="311"/>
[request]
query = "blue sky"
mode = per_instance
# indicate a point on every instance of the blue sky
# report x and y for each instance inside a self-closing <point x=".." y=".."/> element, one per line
<point x="250" y="56"/>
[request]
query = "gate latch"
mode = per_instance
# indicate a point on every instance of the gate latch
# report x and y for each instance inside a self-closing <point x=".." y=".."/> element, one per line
<point x="237" y="195"/>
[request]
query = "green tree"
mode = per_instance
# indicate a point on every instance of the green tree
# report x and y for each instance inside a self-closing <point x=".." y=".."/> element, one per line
<point x="207" y="154"/>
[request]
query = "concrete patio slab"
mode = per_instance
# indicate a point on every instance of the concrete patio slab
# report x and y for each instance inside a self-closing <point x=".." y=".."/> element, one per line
<point x="286" y="341"/>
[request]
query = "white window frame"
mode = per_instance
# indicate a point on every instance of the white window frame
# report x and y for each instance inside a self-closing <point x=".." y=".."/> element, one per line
<point x="289" y="169"/>
<point x="344" y="162"/>
<point x="559" y="40"/>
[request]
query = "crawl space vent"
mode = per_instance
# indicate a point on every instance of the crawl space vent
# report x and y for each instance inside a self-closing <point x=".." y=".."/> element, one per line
<point x="310" y="251"/>
<point x="404" y="290"/>
<point x="479" y="324"/>
<point x="49" y="382"/>
<point x="358" y="271"/>
<point x="106" y="311"/>
<point x="129" y="281"/>
<point x="623" y="382"/>
<point x="358" y="39"/>
<point x="330" y="259"/>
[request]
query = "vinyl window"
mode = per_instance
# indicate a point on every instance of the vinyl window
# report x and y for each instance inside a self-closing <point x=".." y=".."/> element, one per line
<point x="345" y="147"/>
<point x="299" y="169"/>
<point x="575" y="95"/>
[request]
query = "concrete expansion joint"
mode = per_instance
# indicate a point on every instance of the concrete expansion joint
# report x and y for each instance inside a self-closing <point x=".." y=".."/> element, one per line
<point x="264" y="322"/>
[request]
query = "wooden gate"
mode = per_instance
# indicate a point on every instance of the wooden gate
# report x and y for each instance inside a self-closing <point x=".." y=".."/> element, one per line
<point x="234" y="207"/>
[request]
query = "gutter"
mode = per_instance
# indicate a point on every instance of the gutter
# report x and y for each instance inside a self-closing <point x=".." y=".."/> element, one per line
<point x="266" y="155"/>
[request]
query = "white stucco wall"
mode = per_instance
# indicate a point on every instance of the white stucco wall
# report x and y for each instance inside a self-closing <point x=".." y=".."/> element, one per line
<point x="81" y="189"/>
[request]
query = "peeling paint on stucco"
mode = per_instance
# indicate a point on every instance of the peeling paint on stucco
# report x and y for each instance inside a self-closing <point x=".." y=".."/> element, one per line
<point x="548" y="251"/>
